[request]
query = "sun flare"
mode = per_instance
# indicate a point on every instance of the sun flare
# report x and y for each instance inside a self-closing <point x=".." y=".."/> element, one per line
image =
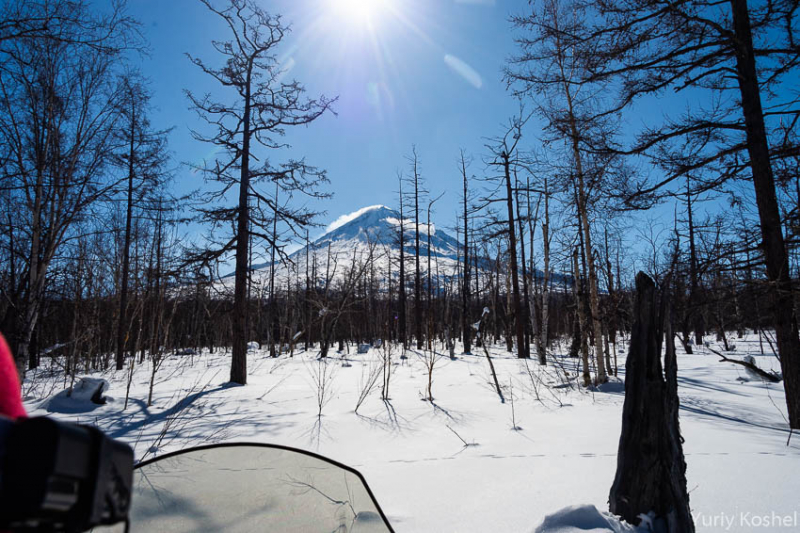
<point x="364" y="46"/>
<point x="358" y="12"/>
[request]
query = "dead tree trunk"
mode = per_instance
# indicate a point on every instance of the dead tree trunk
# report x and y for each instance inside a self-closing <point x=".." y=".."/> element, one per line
<point x="581" y="338"/>
<point x="417" y="278"/>
<point x="465" y="325"/>
<point x="614" y="306"/>
<point x="240" y="323"/>
<point x="272" y="321"/>
<point x="651" y="471"/>
<point x="694" y="310"/>
<point x="512" y="248"/>
<point x="543" y="334"/>
<point x="526" y="306"/>
<point x="122" y="324"/>
<point x="774" y="246"/>
<point x="402" y="282"/>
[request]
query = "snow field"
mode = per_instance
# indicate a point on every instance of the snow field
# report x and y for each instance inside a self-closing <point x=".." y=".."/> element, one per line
<point x="458" y="464"/>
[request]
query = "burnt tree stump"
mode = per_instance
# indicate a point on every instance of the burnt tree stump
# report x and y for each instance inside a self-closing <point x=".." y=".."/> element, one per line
<point x="651" y="470"/>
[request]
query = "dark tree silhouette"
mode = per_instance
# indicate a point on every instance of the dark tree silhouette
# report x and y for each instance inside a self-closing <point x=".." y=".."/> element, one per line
<point x="142" y="156"/>
<point x="650" y="46"/>
<point x="58" y="110"/>
<point x="651" y="470"/>
<point x="264" y="107"/>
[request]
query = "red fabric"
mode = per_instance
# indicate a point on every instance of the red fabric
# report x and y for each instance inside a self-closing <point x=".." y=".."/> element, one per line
<point x="10" y="392"/>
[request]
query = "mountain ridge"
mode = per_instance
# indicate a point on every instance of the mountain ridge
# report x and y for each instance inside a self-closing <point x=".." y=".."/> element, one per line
<point x="375" y="230"/>
<point x="379" y="225"/>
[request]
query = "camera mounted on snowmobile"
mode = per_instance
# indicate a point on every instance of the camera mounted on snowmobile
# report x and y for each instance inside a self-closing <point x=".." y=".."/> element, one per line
<point x="56" y="476"/>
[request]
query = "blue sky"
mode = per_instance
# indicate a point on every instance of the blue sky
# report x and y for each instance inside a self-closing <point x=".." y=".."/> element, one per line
<point x="424" y="72"/>
<point x="421" y="72"/>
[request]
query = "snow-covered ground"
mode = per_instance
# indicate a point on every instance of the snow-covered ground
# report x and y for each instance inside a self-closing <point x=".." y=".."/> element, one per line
<point x="559" y="450"/>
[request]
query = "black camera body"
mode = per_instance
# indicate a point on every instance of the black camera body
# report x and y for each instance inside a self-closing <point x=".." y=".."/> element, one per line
<point x="56" y="476"/>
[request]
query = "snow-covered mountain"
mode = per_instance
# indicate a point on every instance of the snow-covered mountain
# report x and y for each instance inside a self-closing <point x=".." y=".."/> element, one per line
<point x="380" y="225"/>
<point x="351" y="240"/>
<point x="349" y="243"/>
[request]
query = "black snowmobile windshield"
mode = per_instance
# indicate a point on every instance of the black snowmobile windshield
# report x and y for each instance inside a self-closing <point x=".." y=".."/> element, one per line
<point x="251" y="487"/>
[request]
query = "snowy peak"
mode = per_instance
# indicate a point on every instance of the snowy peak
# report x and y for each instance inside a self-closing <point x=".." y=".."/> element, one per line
<point x="374" y="232"/>
<point x="380" y="225"/>
<point x="369" y="225"/>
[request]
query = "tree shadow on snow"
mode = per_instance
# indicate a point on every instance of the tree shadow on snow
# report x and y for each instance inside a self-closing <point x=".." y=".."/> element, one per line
<point x="191" y="421"/>
<point x="448" y="413"/>
<point x="123" y="429"/>
<point x="389" y="420"/>
<point x="715" y="411"/>
<point x="693" y="383"/>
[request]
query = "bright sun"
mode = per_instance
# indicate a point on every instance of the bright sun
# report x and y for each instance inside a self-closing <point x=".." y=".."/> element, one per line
<point x="360" y="12"/>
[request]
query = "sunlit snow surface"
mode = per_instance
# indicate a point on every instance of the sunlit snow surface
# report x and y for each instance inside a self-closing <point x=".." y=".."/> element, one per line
<point x="584" y="518"/>
<point x="423" y="475"/>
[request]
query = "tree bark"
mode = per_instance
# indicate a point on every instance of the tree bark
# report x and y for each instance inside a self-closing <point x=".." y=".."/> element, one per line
<point x="465" y="325"/>
<point x="694" y="275"/>
<point x="651" y="471"/>
<point x="543" y="335"/>
<point x="773" y="245"/>
<point x="525" y="307"/>
<point x="402" y="284"/>
<point x="272" y="322"/>
<point x="512" y="245"/>
<point x="580" y="340"/>
<point x="613" y="304"/>
<point x="239" y="341"/>
<point x="583" y="214"/>
<point x="122" y="326"/>
<point x="417" y="278"/>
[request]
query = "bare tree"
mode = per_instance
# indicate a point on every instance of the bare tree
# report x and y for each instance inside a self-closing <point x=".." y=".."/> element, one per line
<point x="466" y="329"/>
<point x="742" y="54"/>
<point x="546" y="238"/>
<point x="265" y="106"/>
<point x="402" y="281"/>
<point x="429" y="278"/>
<point x="415" y="178"/>
<point x="549" y="64"/>
<point x="68" y="22"/>
<point x="506" y="156"/>
<point x="142" y="157"/>
<point x="58" y="110"/>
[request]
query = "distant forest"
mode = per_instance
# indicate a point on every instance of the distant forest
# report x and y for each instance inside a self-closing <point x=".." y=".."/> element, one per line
<point x="97" y="272"/>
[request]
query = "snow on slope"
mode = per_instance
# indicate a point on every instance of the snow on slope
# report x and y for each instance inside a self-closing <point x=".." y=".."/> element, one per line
<point x="351" y="238"/>
<point x="379" y="224"/>
<point x="740" y="468"/>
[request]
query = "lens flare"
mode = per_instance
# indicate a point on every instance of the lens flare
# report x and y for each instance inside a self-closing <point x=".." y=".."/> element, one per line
<point x="358" y="12"/>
